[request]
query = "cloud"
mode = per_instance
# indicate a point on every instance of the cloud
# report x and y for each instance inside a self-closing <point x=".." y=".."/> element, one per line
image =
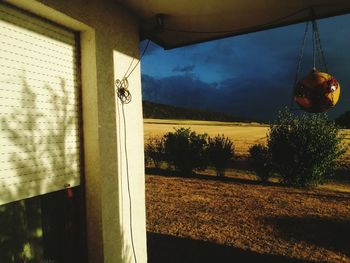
<point x="184" y="69"/>
<point x="185" y="91"/>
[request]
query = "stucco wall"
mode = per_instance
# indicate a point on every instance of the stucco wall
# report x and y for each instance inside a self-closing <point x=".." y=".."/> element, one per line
<point x="109" y="41"/>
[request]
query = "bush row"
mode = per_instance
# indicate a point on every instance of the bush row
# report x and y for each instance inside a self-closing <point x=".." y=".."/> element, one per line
<point x="302" y="150"/>
<point x="186" y="151"/>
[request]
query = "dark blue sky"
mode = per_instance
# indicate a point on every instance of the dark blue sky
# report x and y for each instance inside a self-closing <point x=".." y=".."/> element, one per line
<point x="250" y="75"/>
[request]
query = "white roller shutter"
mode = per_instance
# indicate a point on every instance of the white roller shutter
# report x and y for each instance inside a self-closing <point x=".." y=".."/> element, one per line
<point x="39" y="106"/>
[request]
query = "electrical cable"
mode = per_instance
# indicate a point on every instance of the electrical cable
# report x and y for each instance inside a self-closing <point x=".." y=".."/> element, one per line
<point x="121" y="168"/>
<point x="124" y="96"/>
<point x="128" y="184"/>
<point x="143" y="53"/>
<point x="241" y="29"/>
<point x="122" y="85"/>
<point x="126" y="72"/>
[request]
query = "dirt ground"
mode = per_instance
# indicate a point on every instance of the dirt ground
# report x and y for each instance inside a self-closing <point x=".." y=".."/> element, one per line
<point x="237" y="219"/>
<point x="239" y="213"/>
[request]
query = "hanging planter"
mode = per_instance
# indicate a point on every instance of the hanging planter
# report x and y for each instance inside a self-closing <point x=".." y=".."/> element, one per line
<point x="318" y="91"/>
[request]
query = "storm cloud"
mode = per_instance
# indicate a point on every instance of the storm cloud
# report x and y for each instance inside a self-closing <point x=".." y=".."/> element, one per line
<point x="184" y="69"/>
<point x="244" y="97"/>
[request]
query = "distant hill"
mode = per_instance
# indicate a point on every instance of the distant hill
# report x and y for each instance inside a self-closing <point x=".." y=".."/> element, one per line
<point x="153" y="110"/>
<point x="344" y="120"/>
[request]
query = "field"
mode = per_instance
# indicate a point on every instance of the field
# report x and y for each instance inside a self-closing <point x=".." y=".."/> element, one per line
<point x="243" y="135"/>
<point x="238" y="219"/>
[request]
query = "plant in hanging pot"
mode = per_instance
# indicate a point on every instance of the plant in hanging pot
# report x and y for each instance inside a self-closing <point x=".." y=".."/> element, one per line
<point x="317" y="92"/>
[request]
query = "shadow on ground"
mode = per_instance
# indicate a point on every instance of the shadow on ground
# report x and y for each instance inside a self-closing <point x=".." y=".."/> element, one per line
<point x="325" y="196"/>
<point x="329" y="233"/>
<point x="341" y="176"/>
<point x="171" y="249"/>
<point x="227" y="179"/>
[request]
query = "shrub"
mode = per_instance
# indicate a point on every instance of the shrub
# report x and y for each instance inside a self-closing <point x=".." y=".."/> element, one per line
<point x="186" y="150"/>
<point x="221" y="152"/>
<point x="154" y="151"/>
<point x="261" y="161"/>
<point x="304" y="148"/>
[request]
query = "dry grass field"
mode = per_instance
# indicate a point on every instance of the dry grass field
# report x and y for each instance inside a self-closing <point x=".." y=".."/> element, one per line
<point x="243" y="135"/>
<point x="238" y="219"/>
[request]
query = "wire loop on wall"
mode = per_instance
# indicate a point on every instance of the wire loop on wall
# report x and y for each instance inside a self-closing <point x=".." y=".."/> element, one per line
<point x="122" y="90"/>
<point x="122" y="85"/>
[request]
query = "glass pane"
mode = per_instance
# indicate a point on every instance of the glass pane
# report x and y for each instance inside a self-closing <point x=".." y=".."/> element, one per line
<point x="46" y="228"/>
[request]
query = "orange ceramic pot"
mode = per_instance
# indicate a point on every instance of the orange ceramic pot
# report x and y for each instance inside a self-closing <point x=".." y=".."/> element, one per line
<point x="317" y="92"/>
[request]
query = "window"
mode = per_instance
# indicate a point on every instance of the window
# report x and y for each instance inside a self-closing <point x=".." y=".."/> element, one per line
<point x="39" y="111"/>
<point x="41" y="198"/>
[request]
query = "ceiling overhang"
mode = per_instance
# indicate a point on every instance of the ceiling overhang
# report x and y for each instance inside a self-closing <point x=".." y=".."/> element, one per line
<point x="178" y="23"/>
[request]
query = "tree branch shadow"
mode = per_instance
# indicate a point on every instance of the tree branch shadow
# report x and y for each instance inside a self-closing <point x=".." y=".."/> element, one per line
<point x="28" y="230"/>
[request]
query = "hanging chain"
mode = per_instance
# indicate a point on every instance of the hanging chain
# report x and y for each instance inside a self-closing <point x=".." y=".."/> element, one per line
<point x="299" y="62"/>
<point x="314" y="48"/>
<point x="319" y="48"/>
<point x="317" y="54"/>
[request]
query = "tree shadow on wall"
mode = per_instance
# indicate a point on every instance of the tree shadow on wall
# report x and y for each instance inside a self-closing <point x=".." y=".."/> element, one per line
<point x="41" y="228"/>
